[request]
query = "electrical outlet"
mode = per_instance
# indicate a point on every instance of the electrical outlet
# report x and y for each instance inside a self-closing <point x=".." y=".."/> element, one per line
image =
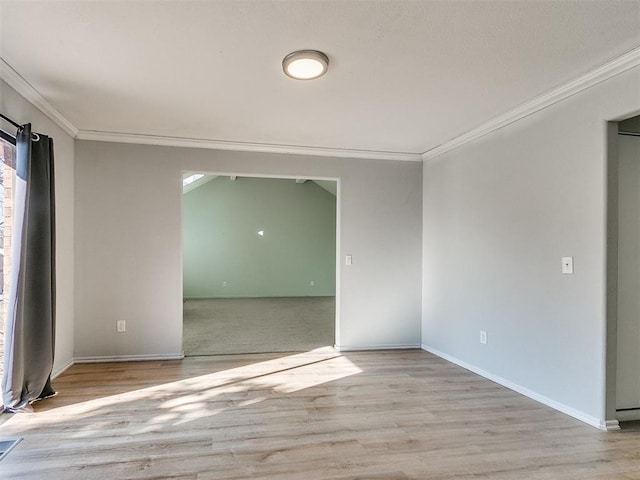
<point x="225" y="284"/>
<point x="483" y="337"/>
<point x="121" y="326"/>
<point x="312" y="283"/>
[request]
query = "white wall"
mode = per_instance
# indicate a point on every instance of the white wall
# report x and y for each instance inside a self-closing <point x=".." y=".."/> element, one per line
<point x="628" y="361"/>
<point x="20" y="110"/>
<point x="498" y="215"/>
<point x="128" y="244"/>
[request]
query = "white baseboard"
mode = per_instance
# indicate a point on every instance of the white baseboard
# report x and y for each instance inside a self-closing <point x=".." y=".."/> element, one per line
<point x="577" y="414"/>
<point x="611" y="425"/>
<point x="628" y="415"/>
<point x="362" y="348"/>
<point x="129" y="358"/>
<point x="59" y="371"/>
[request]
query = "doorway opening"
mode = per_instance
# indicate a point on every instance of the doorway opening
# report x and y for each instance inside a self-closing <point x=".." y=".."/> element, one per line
<point x="259" y="263"/>
<point x="626" y="188"/>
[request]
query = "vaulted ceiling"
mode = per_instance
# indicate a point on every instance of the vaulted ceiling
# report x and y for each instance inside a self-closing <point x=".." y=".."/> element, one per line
<point x="192" y="181"/>
<point x="404" y="76"/>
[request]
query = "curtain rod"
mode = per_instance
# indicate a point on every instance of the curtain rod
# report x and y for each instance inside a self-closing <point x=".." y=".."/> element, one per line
<point x="10" y="121"/>
<point x="630" y="134"/>
<point x="6" y="136"/>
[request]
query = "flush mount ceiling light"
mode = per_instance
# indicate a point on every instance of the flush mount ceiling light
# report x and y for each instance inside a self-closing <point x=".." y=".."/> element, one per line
<point x="305" y="64"/>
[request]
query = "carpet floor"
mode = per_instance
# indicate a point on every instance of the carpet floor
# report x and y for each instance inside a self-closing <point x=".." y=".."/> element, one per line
<point x="217" y="326"/>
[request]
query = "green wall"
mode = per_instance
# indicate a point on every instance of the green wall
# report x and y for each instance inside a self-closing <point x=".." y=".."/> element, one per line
<point x="224" y="256"/>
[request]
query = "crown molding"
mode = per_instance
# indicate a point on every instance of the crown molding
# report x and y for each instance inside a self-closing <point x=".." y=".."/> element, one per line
<point x="615" y="67"/>
<point x="24" y="88"/>
<point x="619" y="65"/>
<point x="244" y="146"/>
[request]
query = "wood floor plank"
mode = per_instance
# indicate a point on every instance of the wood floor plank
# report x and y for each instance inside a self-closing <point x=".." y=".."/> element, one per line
<point x="322" y="415"/>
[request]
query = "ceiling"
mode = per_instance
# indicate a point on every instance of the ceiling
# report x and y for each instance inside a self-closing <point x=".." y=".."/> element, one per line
<point x="404" y="76"/>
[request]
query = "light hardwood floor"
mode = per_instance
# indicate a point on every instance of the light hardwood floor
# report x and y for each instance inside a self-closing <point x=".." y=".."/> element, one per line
<point x="318" y="415"/>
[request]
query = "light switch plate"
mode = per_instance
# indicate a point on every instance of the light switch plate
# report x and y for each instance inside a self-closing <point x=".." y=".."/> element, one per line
<point x="348" y="260"/>
<point x="567" y="265"/>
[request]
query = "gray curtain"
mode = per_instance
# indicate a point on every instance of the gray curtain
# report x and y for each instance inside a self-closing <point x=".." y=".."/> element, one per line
<point x="30" y="322"/>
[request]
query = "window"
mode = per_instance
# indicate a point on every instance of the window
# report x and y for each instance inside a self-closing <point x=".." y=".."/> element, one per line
<point x="7" y="181"/>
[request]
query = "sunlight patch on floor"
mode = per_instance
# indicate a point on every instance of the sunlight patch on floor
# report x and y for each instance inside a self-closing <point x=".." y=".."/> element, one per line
<point x="202" y="397"/>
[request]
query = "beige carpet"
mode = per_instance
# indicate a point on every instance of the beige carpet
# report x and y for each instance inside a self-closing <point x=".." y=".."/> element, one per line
<point x="216" y="326"/>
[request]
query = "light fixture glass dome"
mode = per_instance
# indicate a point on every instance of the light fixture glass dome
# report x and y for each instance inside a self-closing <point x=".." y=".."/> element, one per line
<point x="305" y="64"/>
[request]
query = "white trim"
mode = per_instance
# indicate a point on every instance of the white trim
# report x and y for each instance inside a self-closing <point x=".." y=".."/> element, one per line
<point x="628" y="415"/>
<point x="610" y="425"/>
<point x="362" y="348"/>
<point x="604" y="72"/>
<point x="619" y="65"/>
<point x="24" y="88"/>
<point x="244" y="146"/>
<point x="338" y="296"/>
<point x="57" y="373"/>
<point x="129" y="358"/>
<point x="577" y="414"/>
